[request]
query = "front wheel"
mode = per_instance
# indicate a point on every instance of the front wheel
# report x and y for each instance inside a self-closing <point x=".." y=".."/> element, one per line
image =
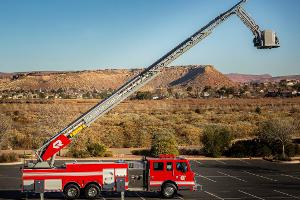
<point x="168" y="190"/>
<point x="92" y="191"/>
<point x="71" y="191"/>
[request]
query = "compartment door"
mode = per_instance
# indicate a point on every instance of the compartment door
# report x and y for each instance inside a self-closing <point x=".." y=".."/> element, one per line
<point x="108" y="179"/>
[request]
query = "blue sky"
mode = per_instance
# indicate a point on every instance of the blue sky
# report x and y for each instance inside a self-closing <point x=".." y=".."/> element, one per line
<point x="95" y="34"/>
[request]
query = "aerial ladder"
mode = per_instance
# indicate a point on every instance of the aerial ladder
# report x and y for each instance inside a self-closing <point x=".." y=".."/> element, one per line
<point x="266" y="39"/>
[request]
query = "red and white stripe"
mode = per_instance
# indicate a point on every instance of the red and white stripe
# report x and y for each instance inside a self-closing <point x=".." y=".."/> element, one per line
<point x="177" y="182"/>
<point x="96" y="173"/>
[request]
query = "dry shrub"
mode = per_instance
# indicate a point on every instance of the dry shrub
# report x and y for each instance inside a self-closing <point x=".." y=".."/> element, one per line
<point x="164" y="142"/>
<point x="188" y="134"/>
<point x="133" y="123"/>
<point x="242" y="129"/>
<point x="112" y="136"/>
<point x="9" y="157"/>
<point x="5" y="126"/>
<point x="216" y="140"/>
<point x="17" y="139"/>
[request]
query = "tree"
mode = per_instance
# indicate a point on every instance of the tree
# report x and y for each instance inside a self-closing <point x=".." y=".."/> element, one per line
<point x="297" y="86"/>
<point x="216" y="139"/>
<point x="206" y="88"/>
<point x="277" y="131"/>
<point x="143" y="95"/>
<point x="189" y="89"/>
<point x="229" y="90"/>
<point x="164" y="142"/>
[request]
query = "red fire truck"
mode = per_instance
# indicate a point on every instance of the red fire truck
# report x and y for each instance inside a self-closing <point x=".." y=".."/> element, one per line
<point x="166" y="174"/>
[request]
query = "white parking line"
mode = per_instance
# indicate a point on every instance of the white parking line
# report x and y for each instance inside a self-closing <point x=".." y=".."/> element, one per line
<point x="213" y="195"/>
<point x="286" y="194"/>
<point x="197" y="161"/>
<point x="260" y="176"/>
<point x="250" y="194"/>
<point x="220" y="161"/>
<point x="232" y="176"/>
<point x="290" y="176"/>
<point x="243" y="161"/>
<point x="206" y="178"/>
<point x="180" y="197"/>
<point x="140" y="196"/>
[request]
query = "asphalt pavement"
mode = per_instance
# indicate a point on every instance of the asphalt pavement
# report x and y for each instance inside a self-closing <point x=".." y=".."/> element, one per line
<point x="220" y="179"/>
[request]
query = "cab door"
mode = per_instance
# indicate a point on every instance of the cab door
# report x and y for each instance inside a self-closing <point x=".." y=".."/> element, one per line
<point x="181" y="172"/>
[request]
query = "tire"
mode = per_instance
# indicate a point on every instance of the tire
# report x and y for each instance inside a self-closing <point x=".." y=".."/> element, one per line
<point x="72" y="191"/>
<point x="168" y="190"/>
<point x="92" y="191"/>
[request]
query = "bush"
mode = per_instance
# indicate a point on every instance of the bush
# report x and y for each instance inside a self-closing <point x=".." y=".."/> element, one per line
<point x="163" y="143"/>
<point x="141" y="152"/>
<point x="89" y="150"/>
<point x="8" y="157"/>
<point x="293" y="150"/>
<point x="249" y="148"/>
<point x="182" y="151"/>
<point x="143" y="95"/>
<point x="282" y="158"/>
<point x="96" y="149"/>
<point x="190" y="152"/>
<point x="79" y="154"/>
<point x="198" y="111"/>
<point x="294" y="110"/>
<point x="259" y="148"/>
<point x="258" y="110"/>
<point x="215" y="139"/>
<point x="187" y="134"/>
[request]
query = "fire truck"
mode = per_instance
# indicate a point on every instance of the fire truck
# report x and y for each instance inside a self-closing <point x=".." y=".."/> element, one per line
<point x="167" y="174"/>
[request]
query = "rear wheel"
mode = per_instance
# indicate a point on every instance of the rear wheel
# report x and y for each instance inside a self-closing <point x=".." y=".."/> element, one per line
<point x="71" y="191"/>
<point x="168" y="190"/>
<point x="92" y="191"/>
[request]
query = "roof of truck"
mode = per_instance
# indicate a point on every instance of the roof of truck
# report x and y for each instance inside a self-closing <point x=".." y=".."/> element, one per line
<point x="167" y="158"/>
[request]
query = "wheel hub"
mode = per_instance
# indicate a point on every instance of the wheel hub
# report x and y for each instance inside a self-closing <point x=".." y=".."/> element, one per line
<point x="72" y="192"/>
<point x="92" y="192"/>
<point x="169" y="191"/>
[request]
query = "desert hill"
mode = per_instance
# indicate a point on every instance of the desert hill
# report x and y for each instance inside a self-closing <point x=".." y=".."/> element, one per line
<point x="204" y="76"/>
<point x="246" y="78"/>
<point x="177" y="77"/>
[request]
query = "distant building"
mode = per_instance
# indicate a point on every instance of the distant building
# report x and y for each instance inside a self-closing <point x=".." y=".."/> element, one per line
<point x="206" y="94"/>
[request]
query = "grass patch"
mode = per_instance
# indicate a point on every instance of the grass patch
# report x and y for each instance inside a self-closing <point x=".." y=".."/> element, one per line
<point x="9" y="157"/>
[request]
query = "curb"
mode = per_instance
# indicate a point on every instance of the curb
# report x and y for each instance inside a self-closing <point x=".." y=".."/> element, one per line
<point x="290" y="162"/>
<point x="12" y="163"/>
<point x="283" y="162"/>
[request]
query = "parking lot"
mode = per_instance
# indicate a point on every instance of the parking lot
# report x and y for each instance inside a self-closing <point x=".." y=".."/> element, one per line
<point x="220" y="179"/>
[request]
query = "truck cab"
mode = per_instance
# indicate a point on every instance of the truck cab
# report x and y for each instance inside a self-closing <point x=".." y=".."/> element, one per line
<point x="166" y="174"/>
